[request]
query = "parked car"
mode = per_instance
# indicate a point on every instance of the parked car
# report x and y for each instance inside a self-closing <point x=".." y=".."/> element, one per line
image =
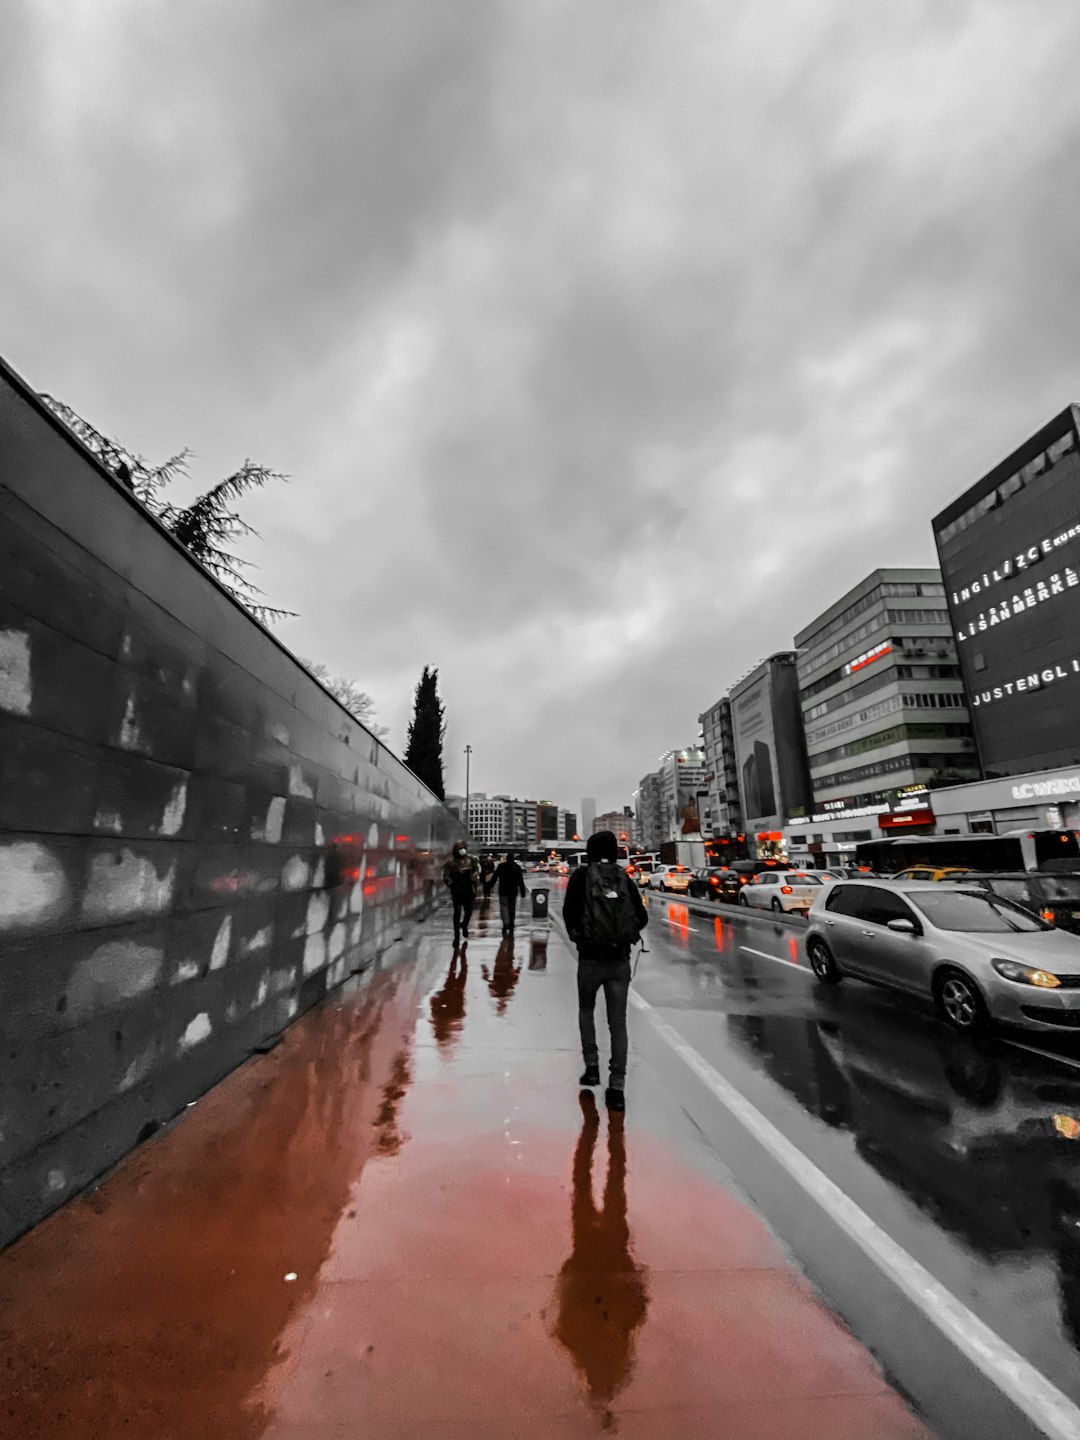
<point x="715" y="882"/>
<point x="978" y="956"/>
<point x="670" y="877"/>
<point x="1054" y="896"/>
<point x="782" y="890"/>
<point x="930" y="872"/>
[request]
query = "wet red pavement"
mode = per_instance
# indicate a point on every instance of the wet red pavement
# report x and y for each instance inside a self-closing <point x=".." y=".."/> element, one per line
<point x="477" y="1251"/>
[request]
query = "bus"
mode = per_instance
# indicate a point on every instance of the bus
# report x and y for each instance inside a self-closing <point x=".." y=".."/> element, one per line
<point x="578" y="859"/>
<point x="1017" y="850"/>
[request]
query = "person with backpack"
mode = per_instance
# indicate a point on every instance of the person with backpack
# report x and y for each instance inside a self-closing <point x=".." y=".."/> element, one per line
<point x="604" y="915"/>
<point x="510" y="879"/>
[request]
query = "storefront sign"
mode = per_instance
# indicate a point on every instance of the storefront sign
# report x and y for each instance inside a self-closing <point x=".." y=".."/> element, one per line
<point x="906" y="817"/>
<point x="1036" y="680"/>
<point x="1038" y="789"/>
<point x="868" y="658"/>
<point x="1017" y="604"/>
<point x="1008" y="568"/>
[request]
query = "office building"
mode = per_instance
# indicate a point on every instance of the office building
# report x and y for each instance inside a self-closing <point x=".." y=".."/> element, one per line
<point x="724" y="809"/>
<point x="487" y="819"/>
<point x="884" y="713"/>
<point x="1009" y="549"/>
<point x="588" y="815"/>
<point x="619" y="822"/>
<point x="682" y="792"/>
<point x="770" y="752"/>
<point x="647" y="811"/>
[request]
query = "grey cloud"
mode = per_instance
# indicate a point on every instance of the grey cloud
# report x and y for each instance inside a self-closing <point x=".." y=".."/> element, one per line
<point x="605" y="347"/>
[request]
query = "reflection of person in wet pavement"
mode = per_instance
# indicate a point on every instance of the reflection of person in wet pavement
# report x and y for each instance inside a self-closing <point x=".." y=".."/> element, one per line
<point x="502" y="978"/>
<point x="448" y="1004"/>
<point x="600" y="1292"/>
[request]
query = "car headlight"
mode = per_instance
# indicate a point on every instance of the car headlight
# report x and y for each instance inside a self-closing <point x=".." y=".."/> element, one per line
<point x="1026" y="974"/>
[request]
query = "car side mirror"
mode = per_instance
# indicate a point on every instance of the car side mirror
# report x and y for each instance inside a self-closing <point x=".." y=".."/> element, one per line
<point x="903" y="927"/>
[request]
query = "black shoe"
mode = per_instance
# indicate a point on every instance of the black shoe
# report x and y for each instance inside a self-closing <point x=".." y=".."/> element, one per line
<point x="615" y="1099"/>
<point x="591" y="1075"/>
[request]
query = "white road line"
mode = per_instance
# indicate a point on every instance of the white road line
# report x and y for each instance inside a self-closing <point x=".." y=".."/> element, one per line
<point x="791" y="964"/>
<point x="680" y="926"/>
<point x="1046" y="1054"/>
<point x="1027" y="1388"/>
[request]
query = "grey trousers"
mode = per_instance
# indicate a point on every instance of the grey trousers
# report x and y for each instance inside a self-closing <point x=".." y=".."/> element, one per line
<point x="613" y="977"/>
<point x="508" y="909"/>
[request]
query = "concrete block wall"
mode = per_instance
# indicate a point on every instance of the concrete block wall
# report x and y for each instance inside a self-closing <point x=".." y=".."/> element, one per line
<point x="196" y="840"/>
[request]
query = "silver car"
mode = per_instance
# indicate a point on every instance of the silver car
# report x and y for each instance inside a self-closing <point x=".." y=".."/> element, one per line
<point x="980" y="958"/>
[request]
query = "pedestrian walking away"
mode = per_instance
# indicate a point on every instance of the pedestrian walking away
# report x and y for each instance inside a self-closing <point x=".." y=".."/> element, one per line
<point x="487" y="876"/>
<point x="510" y="879"/>
<point x="604" y="916"/>
<point x="460" y="875"/>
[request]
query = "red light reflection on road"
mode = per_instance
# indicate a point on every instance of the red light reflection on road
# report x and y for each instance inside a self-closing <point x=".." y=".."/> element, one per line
<point x="793" y="950"/>
<point x="679" y="919"/>
<point x="720" y="934"/>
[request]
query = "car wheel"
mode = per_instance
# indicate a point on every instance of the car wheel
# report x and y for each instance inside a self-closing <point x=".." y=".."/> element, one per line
<point x="960" y="1002"/>
<point x="743" y="901"/>
<point x="776" y="905"/>
<point x="822" y="963"/>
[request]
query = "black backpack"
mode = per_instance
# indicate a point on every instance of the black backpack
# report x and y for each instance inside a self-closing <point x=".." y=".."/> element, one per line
<point x="609" y="921"/>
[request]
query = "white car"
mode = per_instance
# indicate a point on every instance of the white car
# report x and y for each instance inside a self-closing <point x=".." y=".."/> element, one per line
<point x="781" y="890"/>
<point x="670" y="877"/>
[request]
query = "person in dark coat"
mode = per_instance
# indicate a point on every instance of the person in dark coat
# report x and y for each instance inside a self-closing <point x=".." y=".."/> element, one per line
<point x="487" y="876"/>
<point x="459" y="876"/>
<point x="598" y="969"/>
<point x="510" y="878"/>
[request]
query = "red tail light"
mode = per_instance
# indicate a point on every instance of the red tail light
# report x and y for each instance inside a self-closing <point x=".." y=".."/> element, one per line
<point x="714" y="880"/>
<point x="1048" y="916"/>
<point x="785" y="889"/>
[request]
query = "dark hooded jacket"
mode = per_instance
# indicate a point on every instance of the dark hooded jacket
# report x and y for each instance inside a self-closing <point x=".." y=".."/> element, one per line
<point x="601" y="846"/>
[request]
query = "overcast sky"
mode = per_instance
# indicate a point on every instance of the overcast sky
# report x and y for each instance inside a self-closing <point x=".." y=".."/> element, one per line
<point x="606" y="343"/>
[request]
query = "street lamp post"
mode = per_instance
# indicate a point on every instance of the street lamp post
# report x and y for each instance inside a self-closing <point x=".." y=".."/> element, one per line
<point x="468" y="808"/>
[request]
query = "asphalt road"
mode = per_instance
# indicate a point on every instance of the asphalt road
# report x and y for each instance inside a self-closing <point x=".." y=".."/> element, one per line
<point x="966" y="1155"/>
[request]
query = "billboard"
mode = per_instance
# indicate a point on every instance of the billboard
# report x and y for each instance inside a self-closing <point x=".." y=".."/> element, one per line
<point x="1010" y="560"/>
<point x="755" y="745"/>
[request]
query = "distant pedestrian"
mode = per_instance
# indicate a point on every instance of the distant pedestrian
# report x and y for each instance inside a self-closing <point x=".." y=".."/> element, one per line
<point x="487" y="876"/>
<point x="459" y="875"/>
<point x="604" y="915"/>
<point x="510" y="879"/>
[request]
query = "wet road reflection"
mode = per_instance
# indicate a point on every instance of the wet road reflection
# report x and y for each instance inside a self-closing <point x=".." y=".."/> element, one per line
<point x="502" y="977"/>
<point x="448" y="1004"/>
<point x="984" y="1138"/>
<point x="601" y="1295"/>
<point x="160" y="1312"/>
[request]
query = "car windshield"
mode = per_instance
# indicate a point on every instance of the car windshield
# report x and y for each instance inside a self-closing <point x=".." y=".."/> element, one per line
<point x="976" y="911"/>
<point x="1061" y="887"/>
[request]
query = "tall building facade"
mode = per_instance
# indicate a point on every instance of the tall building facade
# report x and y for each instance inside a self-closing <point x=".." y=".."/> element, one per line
<point x="648" y="811"/>
<point x="619" y="822"/>
<point x="1009" y="549"/>
<point x="682" y="792"/>
<point x="770" y="752"/>
<point x="721" y="773"/>
<point x="588" y="815"/>
<point x="884" y="712"/>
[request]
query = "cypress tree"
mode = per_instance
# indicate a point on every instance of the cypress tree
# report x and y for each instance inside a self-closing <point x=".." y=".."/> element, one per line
<point x="427" y="730"/>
